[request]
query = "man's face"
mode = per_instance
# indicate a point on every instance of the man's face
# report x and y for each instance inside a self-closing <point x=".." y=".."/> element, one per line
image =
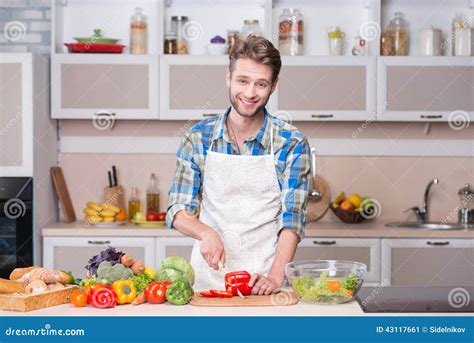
<point x="250" y="86"/>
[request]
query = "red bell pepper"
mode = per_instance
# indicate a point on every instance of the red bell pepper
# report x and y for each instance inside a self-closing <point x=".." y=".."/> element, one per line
<point x="238" y="281"/>
<point x="221" y="294"/>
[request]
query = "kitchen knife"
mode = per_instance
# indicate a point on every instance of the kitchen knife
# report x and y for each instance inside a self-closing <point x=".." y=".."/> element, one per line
<point x="114" y="174"/>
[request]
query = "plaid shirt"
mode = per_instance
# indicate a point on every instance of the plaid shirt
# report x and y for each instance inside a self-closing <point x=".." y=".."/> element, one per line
<point x="292" y="154"/>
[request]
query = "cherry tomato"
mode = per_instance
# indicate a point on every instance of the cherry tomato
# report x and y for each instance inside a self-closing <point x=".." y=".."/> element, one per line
<point x="78" y="298"/>
<point x="155" y="292"/>
<point x="161" y="216"/>
<point x="89" y="289"/>
<point x="221" y="294"/>
<point x="151" y="216"/>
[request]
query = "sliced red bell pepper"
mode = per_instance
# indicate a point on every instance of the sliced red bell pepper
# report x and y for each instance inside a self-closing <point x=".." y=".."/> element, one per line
<point x="238" y="281"/>
<point x="206" y="294"/>
<point x="221" y="294"/>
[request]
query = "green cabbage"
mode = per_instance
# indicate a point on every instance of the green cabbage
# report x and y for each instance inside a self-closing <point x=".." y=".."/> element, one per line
<point x="175" y="268"/>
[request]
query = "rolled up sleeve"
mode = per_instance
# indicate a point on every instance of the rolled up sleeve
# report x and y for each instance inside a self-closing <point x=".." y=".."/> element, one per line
<point x="295" y="188"/>
<point x="185" y="188"/>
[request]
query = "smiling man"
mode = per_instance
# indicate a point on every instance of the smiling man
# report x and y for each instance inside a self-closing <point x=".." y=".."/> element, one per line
<point x="246" y="173"/>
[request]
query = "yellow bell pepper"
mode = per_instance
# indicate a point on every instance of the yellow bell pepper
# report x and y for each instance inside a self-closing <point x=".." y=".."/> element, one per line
<point x="150" y="271"/>
<point x="125" y="290"/>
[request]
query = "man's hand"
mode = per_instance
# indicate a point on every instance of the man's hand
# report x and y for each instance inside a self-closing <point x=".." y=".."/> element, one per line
<point x="262" y="285"/>
<point x="212" y="249"/>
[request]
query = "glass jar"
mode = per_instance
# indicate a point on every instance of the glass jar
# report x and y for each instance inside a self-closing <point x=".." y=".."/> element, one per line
<point x="232" y="37"/>
<point x="336" y="41"/>
<point x="177" y="26"/>
<point x="397" y="32"/>
<point x="138" y="32"/>
<point x="290" y="32"/>
<point x="171" y="44"/>
<point x="251" y="27"/>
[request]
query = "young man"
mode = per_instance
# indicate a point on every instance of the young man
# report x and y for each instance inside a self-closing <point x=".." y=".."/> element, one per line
<point x="247" y="174"/>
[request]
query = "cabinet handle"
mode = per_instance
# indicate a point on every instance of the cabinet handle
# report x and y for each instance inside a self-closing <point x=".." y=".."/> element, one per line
<point x="98" y="242"/>
<point x="209" y="114"/>
<point x="437" y="243"/>
<point x="322" y="115"/>
<point x="324" y="242"/>
<point x="438" y="116"/>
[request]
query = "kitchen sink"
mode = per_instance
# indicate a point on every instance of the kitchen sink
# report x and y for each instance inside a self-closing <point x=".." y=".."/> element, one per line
<point x="432" y="226"/>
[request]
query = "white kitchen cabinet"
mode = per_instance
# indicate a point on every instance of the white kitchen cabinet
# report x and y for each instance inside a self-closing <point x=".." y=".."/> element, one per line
<point x="73" y="253"/>
<point x="428" y="262"/>
<point x="173" y="246"/>
<point x="426" y="88"/>
<point x="364" y="250"/>
<point x="119" y="86"/>
<point x="327" y="88"/>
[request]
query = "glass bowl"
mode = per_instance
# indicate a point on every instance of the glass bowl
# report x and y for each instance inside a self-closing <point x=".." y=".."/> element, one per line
<point x="325" y="281"/>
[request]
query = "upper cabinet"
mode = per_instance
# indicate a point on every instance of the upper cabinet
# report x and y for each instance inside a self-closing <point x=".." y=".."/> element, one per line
<point x="322" y="88"/>
<point x="122" y="86"/>
<point x="192" y="87"/>
<point x="424" y="88"/>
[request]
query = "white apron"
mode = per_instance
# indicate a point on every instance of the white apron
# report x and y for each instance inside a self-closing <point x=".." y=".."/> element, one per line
<point x="241" y="201"/>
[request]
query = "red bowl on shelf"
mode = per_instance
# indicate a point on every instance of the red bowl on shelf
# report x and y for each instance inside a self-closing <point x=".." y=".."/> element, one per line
<point x="95" y="48"/>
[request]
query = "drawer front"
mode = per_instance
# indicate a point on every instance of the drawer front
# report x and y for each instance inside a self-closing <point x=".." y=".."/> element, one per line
<point x="322" y="88"/>
<point x="366" y="251"/>
<point x="430" y="88"/>
<point x="97" y="86"/>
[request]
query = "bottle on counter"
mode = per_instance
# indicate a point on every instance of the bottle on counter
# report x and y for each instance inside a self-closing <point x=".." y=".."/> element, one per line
<point x="133" y="204"/>
<point x="138" y="32"/>
<point x="290" y="32"/>
<point x="251" y="27"/>
<point x="153" y="195"/>
<point x="397" y="33"/>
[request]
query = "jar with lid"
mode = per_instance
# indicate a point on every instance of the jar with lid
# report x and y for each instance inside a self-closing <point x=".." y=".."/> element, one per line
<point x="171" y="44"/>
<point x="178" y="27"/>
<point x="232" y="37"/>
<point x="251" y="27"/>
<point x="138" y="32"/>
<point x="397" y="32"/>
<point x="290" y="32"/>
<point x="336" y="41"/>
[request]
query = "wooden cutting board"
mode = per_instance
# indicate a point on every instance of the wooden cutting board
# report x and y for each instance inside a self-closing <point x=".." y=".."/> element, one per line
<point x="62" y="193"/>
<point x="317" y="208"/>
<point x="284" y="298"/>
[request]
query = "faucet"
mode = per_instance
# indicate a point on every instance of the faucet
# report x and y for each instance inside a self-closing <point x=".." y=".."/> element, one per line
<point x="422" y="213"/>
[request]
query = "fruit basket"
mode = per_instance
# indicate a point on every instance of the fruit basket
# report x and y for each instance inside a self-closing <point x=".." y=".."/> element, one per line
<point x="353" y="209"/>
<point x="348" y="216"/>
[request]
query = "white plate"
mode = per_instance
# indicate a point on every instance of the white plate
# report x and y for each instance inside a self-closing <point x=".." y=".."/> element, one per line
<point x="108" y="224"/>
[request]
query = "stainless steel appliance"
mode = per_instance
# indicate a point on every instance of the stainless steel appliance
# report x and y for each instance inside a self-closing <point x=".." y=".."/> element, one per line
<point x="16" y="223"/>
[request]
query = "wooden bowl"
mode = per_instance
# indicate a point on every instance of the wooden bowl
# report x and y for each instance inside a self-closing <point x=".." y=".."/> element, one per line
<point x="349" y="217"/>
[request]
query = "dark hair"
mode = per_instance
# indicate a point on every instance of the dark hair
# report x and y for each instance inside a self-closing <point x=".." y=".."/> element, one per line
<point x="257" y="49"/>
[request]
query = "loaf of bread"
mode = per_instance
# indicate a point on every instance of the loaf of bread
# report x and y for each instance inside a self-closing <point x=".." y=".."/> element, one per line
<point x="11" y="286"/>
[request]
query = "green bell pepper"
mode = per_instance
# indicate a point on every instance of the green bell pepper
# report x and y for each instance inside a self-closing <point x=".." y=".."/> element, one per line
<point x="179" y="292"/>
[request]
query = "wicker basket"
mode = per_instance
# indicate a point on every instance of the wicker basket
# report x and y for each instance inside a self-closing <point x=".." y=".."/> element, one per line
<point x="349" y="217"/>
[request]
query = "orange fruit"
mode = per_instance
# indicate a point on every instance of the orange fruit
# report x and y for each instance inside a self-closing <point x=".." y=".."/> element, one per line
<point x="347" y="206"/>
<point x="121" y="216"/>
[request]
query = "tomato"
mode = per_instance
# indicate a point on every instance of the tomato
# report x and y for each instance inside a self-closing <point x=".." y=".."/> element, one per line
<point x="89" y="289"/>
<point x="206" y="294"/>
<point x="78" y="298"/>
<point x="104" y="297"/>
<point x="221" y="294"/>
<point x="151" y="216"/>
<point x="155" y="292"/>
<point x="334" y="285"/>
<point x="161" y="216"/>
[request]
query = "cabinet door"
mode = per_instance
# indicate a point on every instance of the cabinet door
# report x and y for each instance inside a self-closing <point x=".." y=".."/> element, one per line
<point x="122" y="86"/>
<point x="173" y="246"/>
<point x="365" y="250"/>
<point x="193" y="87"/>
<point x="426" y="88"/>
<point x="73" y="253"/>
<point x="327" y="88"/>
<point x="428" y="262"/>
<point x="16" y="115"/>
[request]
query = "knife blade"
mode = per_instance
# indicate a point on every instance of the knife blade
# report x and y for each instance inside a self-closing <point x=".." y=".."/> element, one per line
<point x="114" y="174"/>
<point x="239" y="293"/>
<point x="110" y="179"/>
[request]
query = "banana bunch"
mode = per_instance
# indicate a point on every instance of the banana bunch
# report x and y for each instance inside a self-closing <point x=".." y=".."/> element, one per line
<point x="97" y="213"/>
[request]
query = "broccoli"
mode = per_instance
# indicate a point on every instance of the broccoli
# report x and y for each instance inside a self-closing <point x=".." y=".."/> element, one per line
<point x="108" y="273"/>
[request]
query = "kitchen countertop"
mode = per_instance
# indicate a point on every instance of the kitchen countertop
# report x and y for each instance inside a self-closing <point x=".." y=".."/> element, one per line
<point x="301" y="309"/>
<point x="318" y="229"/>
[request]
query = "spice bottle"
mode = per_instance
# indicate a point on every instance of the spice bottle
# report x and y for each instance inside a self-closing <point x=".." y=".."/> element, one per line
<point x="251" y="27"/>
<point x="178" y="27"/>
<point x="133" y="204"/>
<point x="138" y="33"/>
<point x="171" y="43"/>
<point x="398" y="34"/>
<point x="153" y="195"/>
